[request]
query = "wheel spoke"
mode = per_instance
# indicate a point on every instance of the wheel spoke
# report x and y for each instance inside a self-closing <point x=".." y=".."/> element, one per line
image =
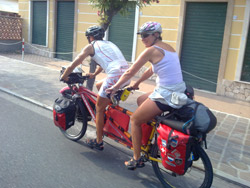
<point x="78" y="130"/>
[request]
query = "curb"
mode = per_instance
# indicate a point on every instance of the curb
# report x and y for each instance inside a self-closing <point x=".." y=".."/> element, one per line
<point x="26" y="99"/>
<point x="231" y="178"/>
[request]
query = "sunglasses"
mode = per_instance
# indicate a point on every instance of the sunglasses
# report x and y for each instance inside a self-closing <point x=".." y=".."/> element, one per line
<point x="144" y="35"/>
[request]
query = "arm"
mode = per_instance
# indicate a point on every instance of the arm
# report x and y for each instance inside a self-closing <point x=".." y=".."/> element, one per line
<point x="92" y="75"/>
<point x="141" y="60"/>
<point x="88" y="50"/>
<point x="145" y="76"/>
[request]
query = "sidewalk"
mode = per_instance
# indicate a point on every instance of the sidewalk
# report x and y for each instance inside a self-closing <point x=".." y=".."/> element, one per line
<point x="228" y="143"/>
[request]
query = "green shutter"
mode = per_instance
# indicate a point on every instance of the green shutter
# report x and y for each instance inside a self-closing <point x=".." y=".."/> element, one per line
<point x="39" y="22"/>
<point x="65" y="29"/>
<point x="245" y="75"/>
<point x="202" y="44"/>
<point x="121" y="32"/>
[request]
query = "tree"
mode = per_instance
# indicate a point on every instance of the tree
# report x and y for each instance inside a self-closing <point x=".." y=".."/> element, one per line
<point x="108" y="8"/>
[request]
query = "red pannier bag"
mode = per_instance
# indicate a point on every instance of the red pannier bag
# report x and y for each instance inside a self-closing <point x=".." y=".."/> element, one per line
<point x="175" y="149"/>
<point x="146" y="131"/>
<point x="64" y="112"/>
<point x="118" y="117"/>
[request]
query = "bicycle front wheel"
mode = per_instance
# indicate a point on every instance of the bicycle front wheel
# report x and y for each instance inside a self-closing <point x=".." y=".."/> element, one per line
<point x="199" y="175"/>
<point x="78" y="130"/>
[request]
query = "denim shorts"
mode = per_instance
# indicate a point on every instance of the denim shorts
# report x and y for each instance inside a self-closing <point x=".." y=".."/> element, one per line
<point x="163" y="107"/>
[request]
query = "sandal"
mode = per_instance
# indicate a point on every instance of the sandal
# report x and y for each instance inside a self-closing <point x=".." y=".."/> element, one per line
<point x="93" y="144"/>
<point x="132" y="164"/>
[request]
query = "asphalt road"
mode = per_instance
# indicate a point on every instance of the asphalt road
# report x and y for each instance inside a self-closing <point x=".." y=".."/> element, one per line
<point x="34" y="154"/>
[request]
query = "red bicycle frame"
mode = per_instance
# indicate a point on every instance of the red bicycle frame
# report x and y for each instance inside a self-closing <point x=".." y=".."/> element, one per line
<point x="124" y="137"/>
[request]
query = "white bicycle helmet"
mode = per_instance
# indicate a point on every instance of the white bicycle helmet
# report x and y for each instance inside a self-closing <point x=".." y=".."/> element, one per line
<point x="150" y="28"/>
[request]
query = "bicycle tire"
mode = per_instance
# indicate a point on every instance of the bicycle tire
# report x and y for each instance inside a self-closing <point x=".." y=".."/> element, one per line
<point x="196" y="179"/>
<point x="78" y="130"/>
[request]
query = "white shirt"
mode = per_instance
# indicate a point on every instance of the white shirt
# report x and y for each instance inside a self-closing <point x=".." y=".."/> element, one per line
<point x="109" y="57"/>
<point x="168" y="70"/>
<point x="170" y="86"/>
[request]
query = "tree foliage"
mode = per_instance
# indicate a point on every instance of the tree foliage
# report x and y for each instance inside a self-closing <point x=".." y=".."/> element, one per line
<point x="108" y="8"/>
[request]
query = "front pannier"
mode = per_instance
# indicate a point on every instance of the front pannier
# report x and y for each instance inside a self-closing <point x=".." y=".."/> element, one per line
<point x="64" y="112"/>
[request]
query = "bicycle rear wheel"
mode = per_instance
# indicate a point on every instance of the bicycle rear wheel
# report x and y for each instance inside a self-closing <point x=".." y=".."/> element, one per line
<point x="200" y="174"/>
<point x="78" y="130"/>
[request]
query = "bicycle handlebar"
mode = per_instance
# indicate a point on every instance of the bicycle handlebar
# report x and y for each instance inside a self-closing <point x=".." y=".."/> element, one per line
<point x="121" y="94"/>
<point x="74" y="77"/>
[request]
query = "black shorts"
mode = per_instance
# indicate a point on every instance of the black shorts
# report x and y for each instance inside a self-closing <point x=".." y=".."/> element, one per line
<point x="163" y="107"/>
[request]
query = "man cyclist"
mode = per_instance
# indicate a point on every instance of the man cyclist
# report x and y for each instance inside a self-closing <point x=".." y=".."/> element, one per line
<point x="110" y="59"/>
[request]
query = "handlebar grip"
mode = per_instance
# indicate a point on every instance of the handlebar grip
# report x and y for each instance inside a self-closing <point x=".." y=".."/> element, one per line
<point x="131" y="88"/>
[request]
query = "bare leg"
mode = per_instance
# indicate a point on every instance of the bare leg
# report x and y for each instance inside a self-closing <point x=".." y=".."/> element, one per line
<point x="142" y="98"/>
<point x="145" y="112"/>
<point x="99" y="84"/>
<point x="101" y="105"/>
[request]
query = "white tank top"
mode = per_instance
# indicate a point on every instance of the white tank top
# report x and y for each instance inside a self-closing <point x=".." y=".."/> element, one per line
<point x="168" y="70"/>
<point x="109" y="57"/>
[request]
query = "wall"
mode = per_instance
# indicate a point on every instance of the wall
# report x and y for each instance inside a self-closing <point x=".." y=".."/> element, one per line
<point x="23" y="6"/>
<point x="9" y="5"/>
<point x="51" y="26"/>
<point x="10" y="26"/>
<point x="231" y="84"/>
<point x="165" y="12"/>
<point x="168" y="13"/>
<point x="235" y="39"/>
<point x="236" y="89"/>
<point x="87" y="16"/>
<point x="10" y="32"/>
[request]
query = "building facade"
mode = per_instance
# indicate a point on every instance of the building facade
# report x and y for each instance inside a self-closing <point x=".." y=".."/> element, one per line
<point x="211" y="37"/>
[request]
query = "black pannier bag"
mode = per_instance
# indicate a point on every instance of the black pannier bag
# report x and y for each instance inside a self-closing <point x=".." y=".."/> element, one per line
<point x="64" y="112"/>
<point x="197" y="117"/>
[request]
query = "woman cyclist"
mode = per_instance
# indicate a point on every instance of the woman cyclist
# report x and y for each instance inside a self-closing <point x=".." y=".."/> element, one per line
<point x="169" y="90"/>
<point x="110" y="59"/>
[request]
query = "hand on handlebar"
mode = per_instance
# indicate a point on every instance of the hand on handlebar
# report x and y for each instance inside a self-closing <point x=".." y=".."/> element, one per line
<point x="135" y="86"/>
<point x="64" y="79"/>
<point x="90" y="75"/>
<point x="115" y="95"/>
<point x="111" y="91"/>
